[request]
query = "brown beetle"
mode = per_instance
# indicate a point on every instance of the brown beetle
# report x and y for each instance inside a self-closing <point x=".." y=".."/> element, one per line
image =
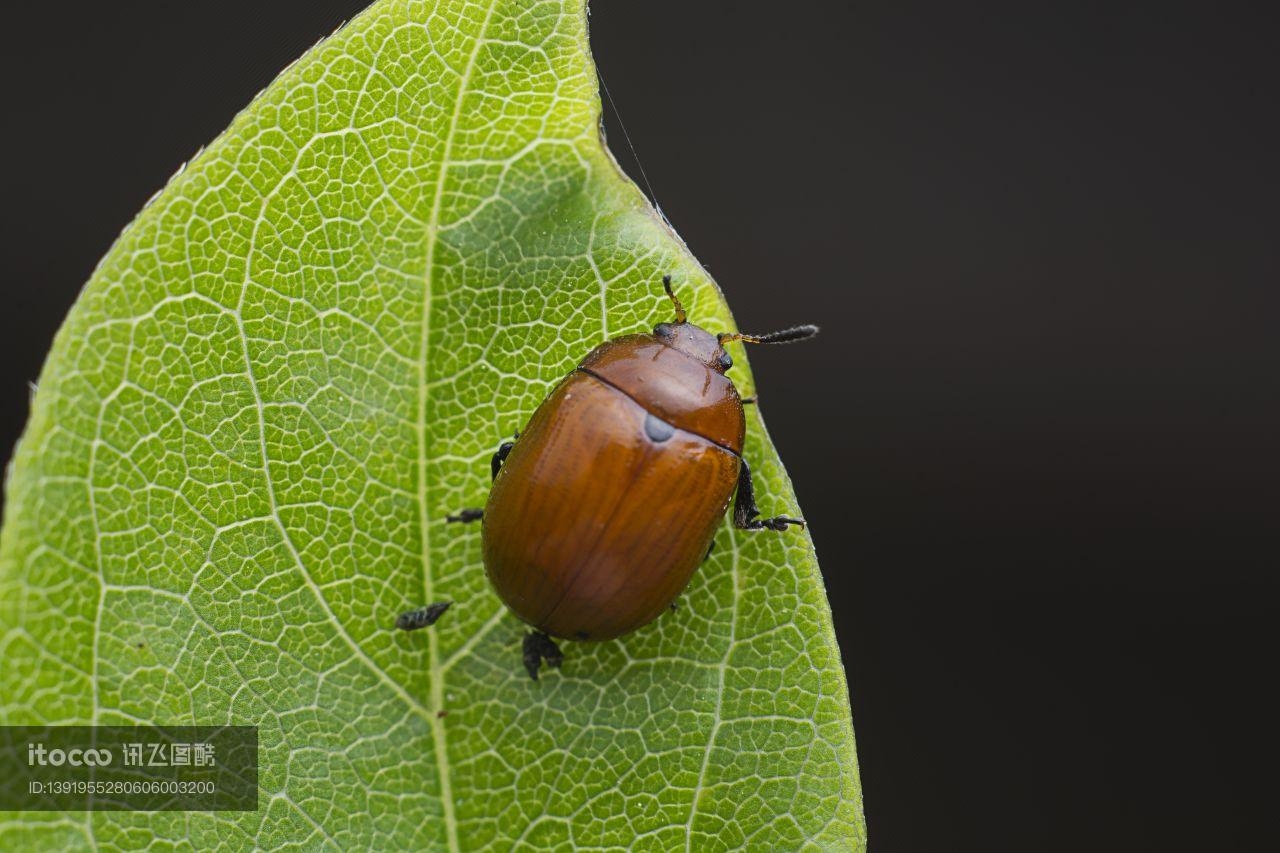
<point x="609" y="499"/>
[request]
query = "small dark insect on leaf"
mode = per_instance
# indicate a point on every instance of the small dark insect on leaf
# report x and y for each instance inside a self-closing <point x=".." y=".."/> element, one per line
<point x="423" y="616"/>
<point x="441" y="713"/>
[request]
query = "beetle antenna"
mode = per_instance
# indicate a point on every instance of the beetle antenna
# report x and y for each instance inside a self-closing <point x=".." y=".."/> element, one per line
<point x="666" y="285"/>
<point x="785" y="336"/>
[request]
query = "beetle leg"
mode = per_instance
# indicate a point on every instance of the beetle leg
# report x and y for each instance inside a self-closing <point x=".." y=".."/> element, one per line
<point x="500" y="456"/>
<point x="538" y="647"/>
<point x="750" y="401"/>
<point x="422" y="617"/>
<point x="710" y="548"/>
<point x="466" y="516"/>
<point x="745" y="511"/>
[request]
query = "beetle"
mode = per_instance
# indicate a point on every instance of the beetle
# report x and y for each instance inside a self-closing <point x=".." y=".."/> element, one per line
<point x="609" y="499"/>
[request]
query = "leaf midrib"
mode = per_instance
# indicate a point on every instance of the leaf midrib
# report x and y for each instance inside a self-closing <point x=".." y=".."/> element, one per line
<point x="434" y="670"/>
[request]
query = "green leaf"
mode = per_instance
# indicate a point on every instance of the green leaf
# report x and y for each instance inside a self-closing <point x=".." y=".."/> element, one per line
<point x="284" y="375"/>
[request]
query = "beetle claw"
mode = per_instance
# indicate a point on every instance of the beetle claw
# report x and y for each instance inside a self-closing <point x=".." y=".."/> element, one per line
<point x="538" y="647"/>
<point x="779" y="523"/>
<point x="422" y="617"/>
<point x="465" y="516"/>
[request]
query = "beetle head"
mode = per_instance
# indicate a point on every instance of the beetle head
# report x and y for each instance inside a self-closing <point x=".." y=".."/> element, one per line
<point x="689" y="339"/>
<point x="707" y="348"/>
<point x="694" y="342"/>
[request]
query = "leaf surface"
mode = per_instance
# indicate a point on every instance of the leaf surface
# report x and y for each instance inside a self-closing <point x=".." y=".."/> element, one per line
<point x="286" y="373"/>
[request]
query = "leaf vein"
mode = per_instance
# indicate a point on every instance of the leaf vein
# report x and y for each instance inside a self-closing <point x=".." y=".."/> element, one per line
<point x="435" y="671"/>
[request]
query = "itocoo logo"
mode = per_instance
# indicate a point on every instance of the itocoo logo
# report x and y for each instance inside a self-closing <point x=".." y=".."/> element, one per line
<point x="38" y="754"/>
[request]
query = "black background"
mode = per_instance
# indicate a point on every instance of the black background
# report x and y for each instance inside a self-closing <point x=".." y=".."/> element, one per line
<point x="1037" y="439"/>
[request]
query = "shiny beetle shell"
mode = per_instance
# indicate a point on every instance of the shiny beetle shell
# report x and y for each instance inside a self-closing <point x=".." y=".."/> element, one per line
<point x="609" y="500"/>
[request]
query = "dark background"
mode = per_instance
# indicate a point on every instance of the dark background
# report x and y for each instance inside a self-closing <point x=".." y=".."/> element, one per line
<point x="1037" y="439"/>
